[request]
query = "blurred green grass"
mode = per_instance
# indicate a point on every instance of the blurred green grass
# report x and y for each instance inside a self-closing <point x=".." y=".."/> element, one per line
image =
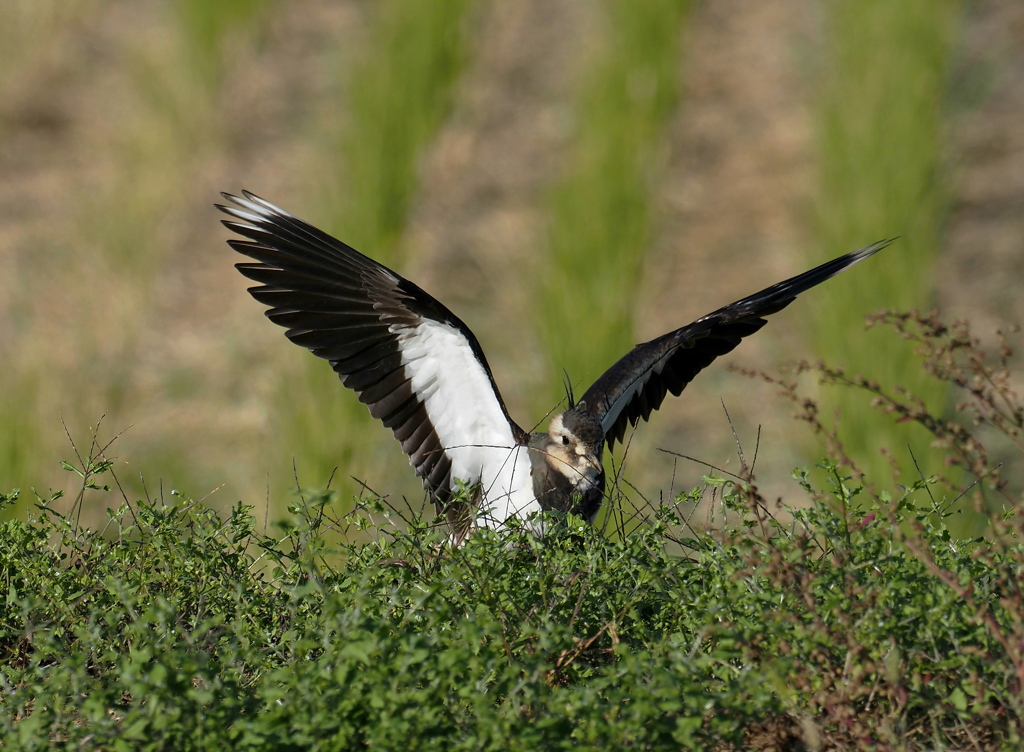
<point x="882" y="173"/>
<point x="602" y="210"/>
<point x="210" y="29"/>
<point x="104" y="268"/>
<point x="396" y="95"/>
<point x="880" y="133"/>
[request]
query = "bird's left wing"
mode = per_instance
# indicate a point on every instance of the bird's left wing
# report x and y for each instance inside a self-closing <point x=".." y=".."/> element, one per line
<point x="636" y="385"/>
<point x="414" y="364"/>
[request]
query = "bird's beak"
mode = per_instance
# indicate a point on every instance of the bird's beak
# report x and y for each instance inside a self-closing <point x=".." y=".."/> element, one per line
<point x="590" y="469"/>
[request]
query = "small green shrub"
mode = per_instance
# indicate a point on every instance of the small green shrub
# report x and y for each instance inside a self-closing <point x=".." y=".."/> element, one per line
<point x="175" y="628"/>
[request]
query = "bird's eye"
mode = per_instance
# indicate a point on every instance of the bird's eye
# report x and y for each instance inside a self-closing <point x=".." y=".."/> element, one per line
<point x="563" y="440"/>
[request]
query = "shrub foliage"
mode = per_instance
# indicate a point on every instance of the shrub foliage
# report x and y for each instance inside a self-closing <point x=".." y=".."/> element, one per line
<point x="860" y="621"/>
<point x="179" y="629"/>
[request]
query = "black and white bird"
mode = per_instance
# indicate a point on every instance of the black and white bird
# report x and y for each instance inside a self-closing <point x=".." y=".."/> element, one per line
<point x="422" y="373"/>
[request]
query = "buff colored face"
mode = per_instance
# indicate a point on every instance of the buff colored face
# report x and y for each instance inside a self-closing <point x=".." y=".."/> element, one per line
<point x="571" y="457"/>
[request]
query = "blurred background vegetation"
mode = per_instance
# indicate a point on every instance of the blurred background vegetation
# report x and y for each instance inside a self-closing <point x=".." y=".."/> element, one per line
<point x="570" y="176"/>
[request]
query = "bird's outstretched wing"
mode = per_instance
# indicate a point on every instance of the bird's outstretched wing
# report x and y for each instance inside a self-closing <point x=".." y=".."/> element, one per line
<point x="636" y="385"/>
<point x="414" y="364"/>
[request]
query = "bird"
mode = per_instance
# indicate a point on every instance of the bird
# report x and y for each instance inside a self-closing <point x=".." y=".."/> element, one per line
<point x="422" y="372"/>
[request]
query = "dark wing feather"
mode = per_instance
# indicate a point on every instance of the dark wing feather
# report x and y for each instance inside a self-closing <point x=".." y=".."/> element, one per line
<point x="348" y="309"/>
<point x="636" y="385"/>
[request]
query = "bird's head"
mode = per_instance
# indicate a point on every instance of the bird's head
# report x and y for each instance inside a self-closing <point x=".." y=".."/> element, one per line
<point x="574" y="443"/>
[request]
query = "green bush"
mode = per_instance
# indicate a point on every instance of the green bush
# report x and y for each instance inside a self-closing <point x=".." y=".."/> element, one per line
<point x="859" y="621"/>
<point x="177" y="629"/>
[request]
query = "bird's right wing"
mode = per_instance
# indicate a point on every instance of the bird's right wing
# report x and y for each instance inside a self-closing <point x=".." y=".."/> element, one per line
<point x="636" y="385"/>
<point x="414" y="364"/>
